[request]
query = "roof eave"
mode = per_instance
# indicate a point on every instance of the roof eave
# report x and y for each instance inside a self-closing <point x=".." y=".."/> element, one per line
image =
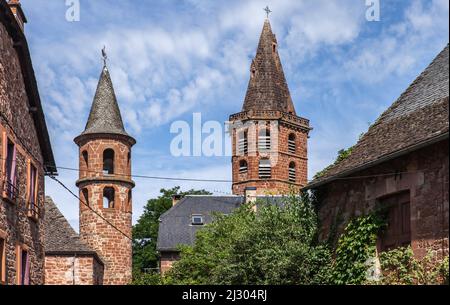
<point x="393" y="155"/>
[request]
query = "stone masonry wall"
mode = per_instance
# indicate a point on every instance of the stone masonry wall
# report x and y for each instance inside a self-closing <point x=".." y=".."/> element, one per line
<point x="72" y="270"/>
<point x="113" y="247"/>
<point x="17" y="124"/>
<point x="425" y="176"/>
<point x="280" y="158"/>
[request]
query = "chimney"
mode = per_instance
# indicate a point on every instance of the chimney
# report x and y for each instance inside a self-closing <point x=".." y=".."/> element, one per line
<point x="16" y="9"/>
<point x="250" y="194"/>
<point x="176" y="199"/>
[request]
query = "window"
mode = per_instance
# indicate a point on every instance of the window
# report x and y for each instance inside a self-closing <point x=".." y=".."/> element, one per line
<point x="2" y="258"/>
<point x="243" y="143"/>
<point x="197" y="220"/>
<point x="108" y="197"/>
<point x="23" y="266"/>
<point x="85" y="196"/>
<point x="292" y="172"/>
<point x="264" y="140"/>
<point x="130" y="198"/>
<point x="291" y="143"/>
<point x="108" y="162"/>
<point x="33" y="208"/>
<point x="265" y="169"/>
<point x="85" y="159"/>
<point x="398" y="231"/>
<point x="243" y="167"/>
<point x="11" y="155"/>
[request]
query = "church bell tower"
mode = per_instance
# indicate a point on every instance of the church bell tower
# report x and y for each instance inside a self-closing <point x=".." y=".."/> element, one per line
<point x="269" y="140"/>
<point x="105" y="184"/>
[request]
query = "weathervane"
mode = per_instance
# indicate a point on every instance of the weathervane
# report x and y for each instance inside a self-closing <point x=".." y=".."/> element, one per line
<point x="104" y="55"/>
<point x="267" y="10"/>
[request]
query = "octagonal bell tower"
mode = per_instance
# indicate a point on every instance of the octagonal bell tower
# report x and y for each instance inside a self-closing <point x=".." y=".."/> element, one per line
<point x="105" y="184"/>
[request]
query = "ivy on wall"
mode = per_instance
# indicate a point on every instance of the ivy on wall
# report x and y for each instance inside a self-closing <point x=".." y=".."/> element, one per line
<point x="355" y="247"/>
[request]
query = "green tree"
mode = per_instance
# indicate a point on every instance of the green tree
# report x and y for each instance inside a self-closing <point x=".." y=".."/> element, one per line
<point x="145" y="232"/>
<point x="274" y="245"/>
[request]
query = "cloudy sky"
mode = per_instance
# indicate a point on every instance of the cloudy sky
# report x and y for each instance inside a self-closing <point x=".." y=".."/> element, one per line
<point x="170" y="59"/>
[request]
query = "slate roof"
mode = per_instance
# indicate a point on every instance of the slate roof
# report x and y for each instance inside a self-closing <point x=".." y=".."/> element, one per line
<point x="267" y="88"/>
<point x="417" y="118"/>
<point x="176" y="227"/>
<point x="60" y="237"/>
<point x="105" y="117"/>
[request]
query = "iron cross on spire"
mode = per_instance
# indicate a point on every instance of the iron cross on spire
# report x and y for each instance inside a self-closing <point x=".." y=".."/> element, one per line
<point x="267" y="10"/>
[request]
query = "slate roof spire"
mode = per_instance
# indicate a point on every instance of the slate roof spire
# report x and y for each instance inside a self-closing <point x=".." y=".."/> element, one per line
<point x="267" y="88"/>
<point x="105" y="117"/>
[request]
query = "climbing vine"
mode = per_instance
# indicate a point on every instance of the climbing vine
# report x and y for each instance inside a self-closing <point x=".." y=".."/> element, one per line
<point x="355" y="247"/>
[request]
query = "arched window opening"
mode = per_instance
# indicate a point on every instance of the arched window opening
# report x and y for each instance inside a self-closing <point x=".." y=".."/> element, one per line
<point x="291" y="144"/>
<point x="243" y="142"/>
<point x="274" y="47"/>
<point x="264" y="140"/>
<point x="292" y="176"/>
<point x="243" y="167"/>
<point x="108" y="162"/>
<point x="86" y="196"/>
<point x="108" y="197"/>
<point x="265" y="169"/>
<point x="85" y="159"/>
<point x="130" y="198"/>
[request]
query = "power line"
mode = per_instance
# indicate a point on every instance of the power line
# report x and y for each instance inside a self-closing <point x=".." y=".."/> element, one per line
<point x="90" y="208"/>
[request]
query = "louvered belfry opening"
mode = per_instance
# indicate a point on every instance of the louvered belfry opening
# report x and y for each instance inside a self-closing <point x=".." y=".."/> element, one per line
<point x="291" y="144"/>
<point x="292" y="174"/>
<point x="243" y="143"/>
<point x="264" y="143"/>
<point x="265" y="169"/>
<point x="243" y="167"/>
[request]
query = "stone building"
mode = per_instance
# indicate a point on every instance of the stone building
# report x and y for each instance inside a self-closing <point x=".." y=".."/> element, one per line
<point x="105" y="184"/>
<point x="269" y="153"/>
<point x="402" y="164"/>
<point x="269" y="140"/>
<point x="68" y="260"/>
<point x="25" y="155"/>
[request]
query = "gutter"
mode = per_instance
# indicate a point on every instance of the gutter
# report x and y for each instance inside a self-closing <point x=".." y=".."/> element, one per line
<point x="385" y="158"/>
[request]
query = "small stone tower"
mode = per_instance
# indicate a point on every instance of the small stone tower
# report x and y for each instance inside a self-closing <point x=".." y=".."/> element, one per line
<point x="269" y="140"/>
<point x="105" y="184"/>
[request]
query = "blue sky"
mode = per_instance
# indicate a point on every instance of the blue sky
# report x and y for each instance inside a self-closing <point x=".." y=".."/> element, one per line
<point x="169" y="59"/>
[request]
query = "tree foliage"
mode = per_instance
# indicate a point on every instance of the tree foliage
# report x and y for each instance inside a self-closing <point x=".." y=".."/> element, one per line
<point x="274" y="245"/>
<point x="145" y="232"/>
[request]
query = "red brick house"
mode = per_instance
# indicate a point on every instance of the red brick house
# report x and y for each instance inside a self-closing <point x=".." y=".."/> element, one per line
<point x="25" y="156"/>
<point x="401" y="163"/>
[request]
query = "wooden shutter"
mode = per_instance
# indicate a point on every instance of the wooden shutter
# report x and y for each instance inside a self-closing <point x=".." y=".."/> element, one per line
<point x="398" y="231"/>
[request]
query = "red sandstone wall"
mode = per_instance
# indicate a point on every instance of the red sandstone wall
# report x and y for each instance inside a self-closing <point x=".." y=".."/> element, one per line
<point x="114" y="248"/>
<point x="281" y="158"/>
<point x="427" y="181"/>
<point x="70" y="270"/>
<point x="17" y="123"/>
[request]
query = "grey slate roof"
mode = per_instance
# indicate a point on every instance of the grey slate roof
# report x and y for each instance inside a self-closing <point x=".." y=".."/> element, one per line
<point x="175" y="226"/>
<point x="105" y="114"/>
<point x="418" y="117"/>
<point x="60" y="237"/>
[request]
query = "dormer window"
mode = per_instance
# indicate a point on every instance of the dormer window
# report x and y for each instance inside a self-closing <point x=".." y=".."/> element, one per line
<point x="197" y="220"/>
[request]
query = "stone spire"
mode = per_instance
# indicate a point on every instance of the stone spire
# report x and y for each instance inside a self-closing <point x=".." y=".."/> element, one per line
<point x="105" y="117"/>
<point x="267" y="88"/>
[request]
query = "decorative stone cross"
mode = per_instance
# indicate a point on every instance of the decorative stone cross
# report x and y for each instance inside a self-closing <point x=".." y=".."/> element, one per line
<point x="267" y="10"/>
